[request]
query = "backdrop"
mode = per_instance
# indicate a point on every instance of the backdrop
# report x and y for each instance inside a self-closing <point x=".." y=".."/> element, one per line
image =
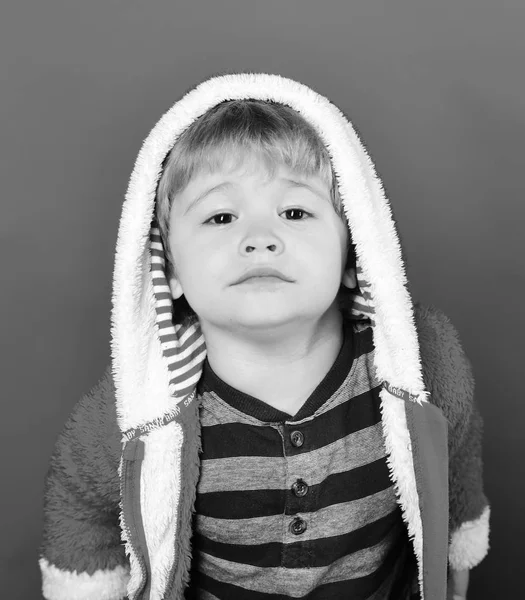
<point x="437" y="92"/>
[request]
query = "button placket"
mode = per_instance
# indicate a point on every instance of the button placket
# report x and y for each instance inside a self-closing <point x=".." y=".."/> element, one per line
<point x="297" y="525"/>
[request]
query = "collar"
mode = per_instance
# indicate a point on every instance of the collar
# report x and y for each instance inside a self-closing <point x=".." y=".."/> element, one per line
<point x="332" y="381"/>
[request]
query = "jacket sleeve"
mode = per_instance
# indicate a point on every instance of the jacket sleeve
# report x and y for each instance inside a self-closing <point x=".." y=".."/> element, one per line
<point x="448" y="377"/>
<point x="81" y="556"/>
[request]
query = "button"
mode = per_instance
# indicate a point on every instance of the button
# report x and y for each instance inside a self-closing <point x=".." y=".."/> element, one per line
<point x="299" y="488"/>
<point x="297" y="438"/>
<point x="298" y="526"/>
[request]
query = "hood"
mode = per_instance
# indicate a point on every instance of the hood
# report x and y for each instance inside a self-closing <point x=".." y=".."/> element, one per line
<point x="157" y="363"/>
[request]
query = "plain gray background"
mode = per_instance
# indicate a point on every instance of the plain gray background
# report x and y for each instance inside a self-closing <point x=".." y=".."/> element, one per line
<point x="437" y="91"/>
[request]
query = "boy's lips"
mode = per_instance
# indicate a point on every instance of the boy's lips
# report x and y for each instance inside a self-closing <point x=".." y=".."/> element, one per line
<point x="262" y="272"/>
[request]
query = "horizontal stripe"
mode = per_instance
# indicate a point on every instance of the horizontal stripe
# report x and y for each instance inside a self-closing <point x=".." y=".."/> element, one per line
<point x="240" y="439"/>
<point x="359" y="307"/>
<point x="336" y="519"/>
<point x="164" y="296"/>
<point x="278" y="580"/>
<point x="336" y="488"/>
<point x="191" y="370"/>
<point x="359" y="587"/>
<point x="317" y="553"/>
<point x="156" y="252"/>
<point x="253" y="472"/>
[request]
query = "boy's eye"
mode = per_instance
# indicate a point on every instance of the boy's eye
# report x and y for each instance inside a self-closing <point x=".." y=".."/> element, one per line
<point x="288" y="210"/>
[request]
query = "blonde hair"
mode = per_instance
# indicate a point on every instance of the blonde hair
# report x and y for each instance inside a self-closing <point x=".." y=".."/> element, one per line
<point x="232" y="131"/>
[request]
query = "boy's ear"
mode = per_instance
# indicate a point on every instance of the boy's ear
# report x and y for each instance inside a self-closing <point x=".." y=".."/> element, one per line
<point x="175" y="287"/>
<point x="350" y="278"/>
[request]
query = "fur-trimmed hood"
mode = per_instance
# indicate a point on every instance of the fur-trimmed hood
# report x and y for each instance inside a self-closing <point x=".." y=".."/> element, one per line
<point x="157" y="359"/>
<point x="157" y="362"/>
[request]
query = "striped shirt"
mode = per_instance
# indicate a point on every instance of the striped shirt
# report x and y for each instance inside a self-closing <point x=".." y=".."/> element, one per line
<point x="302" y="506"/>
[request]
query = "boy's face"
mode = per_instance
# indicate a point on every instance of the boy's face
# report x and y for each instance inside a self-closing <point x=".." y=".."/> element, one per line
<point x="211" y="252"/>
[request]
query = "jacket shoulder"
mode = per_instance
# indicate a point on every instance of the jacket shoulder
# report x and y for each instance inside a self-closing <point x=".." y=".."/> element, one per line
<point x="447" y="371"/>
<point x="89" y="446"/>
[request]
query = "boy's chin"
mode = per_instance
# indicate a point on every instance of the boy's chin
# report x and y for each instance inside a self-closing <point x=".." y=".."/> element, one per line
<point x="260" y="319"/>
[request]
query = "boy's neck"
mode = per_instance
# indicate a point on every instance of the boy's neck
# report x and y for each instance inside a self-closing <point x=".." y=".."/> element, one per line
<point x="283" y="371"/>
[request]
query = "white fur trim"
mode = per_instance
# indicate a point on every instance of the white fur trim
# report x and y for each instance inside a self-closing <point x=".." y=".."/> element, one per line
<point x="401" y="467"/>
<point x="470" y="542"/>
<point x="159" y="499"/>
<point x="58" y="584"/>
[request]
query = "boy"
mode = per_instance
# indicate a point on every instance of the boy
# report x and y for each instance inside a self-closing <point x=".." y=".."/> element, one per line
<point x="279" y="420"/>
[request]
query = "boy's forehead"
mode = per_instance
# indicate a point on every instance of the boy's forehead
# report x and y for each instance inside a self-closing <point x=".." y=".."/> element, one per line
<point x="257" y="172"/>
<point x="207" y="182"/>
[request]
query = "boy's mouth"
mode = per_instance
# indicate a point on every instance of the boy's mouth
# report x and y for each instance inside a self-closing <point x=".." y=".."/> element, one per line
<point x="267" y="279"/>
<point x="261" y="273"/>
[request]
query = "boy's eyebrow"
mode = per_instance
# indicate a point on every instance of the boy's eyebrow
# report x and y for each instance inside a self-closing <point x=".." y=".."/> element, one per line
<point x="225" y="185"/>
